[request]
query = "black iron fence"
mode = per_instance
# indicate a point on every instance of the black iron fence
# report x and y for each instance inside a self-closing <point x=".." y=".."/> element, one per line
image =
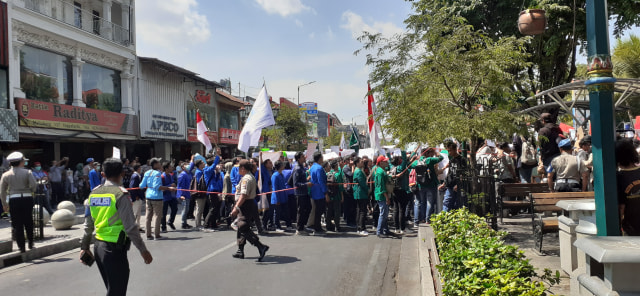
<point x="478" y="188"/>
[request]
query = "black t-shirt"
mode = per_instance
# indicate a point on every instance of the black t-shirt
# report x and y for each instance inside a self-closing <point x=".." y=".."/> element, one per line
<point x="549" y="144"/>
<point x="629" y="195"/>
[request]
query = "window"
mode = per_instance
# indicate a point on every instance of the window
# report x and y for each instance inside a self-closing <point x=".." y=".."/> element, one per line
<point x="96" y="22"/>
<point x="101" y="88"/>
<point x="4" y="89"/>
<point x="45" y="76"/>
<point x="77" y="14"/>
<point x="229" y="119"/>
<point x="208" y="116"/>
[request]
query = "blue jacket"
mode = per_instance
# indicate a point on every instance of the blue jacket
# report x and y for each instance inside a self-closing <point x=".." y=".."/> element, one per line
<point x="278" y="183"/>
<point x="167" y="180"/>
<point x="300" y="180"/>
<point x="184" y="182"/>
<point x="235" y="178"/>
<point x="266" y="179"/>
<point x="287" y="174"/>
<point x="319" y="181"/>
<point x="135" y="194"/>
<point x="94" y="179"/>
<point x="152" y="180"/>
<point x="213" y="179"/>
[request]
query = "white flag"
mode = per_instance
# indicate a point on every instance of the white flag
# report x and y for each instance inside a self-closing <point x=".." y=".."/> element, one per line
<point x="343" y="144"/>
<point x="202" y="133"/>
<point x="259" y="118"/>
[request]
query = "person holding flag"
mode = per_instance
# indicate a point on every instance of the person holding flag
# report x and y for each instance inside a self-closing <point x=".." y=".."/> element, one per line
<point x="259" y="118"/>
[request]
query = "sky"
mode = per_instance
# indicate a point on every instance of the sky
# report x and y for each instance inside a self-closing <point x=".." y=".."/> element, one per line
<point x="284" y="43"/>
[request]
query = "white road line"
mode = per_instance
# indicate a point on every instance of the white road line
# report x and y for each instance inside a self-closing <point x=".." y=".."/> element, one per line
<point x="205" y="258"/>
<point x="364" y="287"/>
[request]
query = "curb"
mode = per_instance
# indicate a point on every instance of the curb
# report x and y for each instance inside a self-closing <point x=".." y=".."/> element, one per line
<point x="424" y="245"/>
<point x="16" y="257"/>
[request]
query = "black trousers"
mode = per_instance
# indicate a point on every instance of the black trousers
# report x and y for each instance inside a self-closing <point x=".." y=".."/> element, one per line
<point x="21" y="209"/>
<point x="361" y="217"/>
<point x="304" y="208"/>
<point x="192" y="208"/>
<point x="246" y="217"/>
<point x="57" y="193"/>
<point x="173" y="204"/>
<point x="400" y="201"/>
<point x="349" y="208"/>
<point x="114" y="267"/>
<point x="211" y="220"/>
<point x="318" y="207"/>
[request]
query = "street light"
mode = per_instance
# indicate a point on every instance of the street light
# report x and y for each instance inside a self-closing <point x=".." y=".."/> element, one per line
<point x="299" y="89"/>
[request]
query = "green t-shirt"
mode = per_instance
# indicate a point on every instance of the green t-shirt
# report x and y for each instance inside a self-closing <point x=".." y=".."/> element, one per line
<point x="380" y="180"/>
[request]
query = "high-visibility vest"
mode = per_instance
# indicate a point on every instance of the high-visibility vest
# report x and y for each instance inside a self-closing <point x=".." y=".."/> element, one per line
<point x="105" y="216"/>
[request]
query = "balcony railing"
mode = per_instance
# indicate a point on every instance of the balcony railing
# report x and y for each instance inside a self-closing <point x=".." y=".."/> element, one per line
<point x="80" y="18"/>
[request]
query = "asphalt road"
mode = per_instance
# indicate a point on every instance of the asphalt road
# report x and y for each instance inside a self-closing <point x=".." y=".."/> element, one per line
<point x="197" y="263"/>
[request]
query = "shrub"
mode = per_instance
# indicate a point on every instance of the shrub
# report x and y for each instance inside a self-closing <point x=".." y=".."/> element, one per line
<point x="476" y="261"/>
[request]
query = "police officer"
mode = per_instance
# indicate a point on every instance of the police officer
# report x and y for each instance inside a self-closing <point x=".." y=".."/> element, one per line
<point x="111" y="215"/>
<point x="19" y="184"/>
<point x="568" y="169"/>
<point x="245" y="208"/>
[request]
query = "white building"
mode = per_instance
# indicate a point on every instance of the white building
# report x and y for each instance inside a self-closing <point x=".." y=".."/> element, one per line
<point x="71" y="77"/>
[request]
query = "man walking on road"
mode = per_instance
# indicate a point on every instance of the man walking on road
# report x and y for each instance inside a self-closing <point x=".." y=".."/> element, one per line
<point x="319" y="194"/>
<point x="301" y="184"/>
<point x="381" y="179"/>
<point x="153" y="182"/>
<point x="111" y="216"/>
<point x="244" y="208"/>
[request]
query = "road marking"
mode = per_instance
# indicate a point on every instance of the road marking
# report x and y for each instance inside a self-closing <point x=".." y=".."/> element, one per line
<point x="205" y="258"/>
<point x="364" y="287"/>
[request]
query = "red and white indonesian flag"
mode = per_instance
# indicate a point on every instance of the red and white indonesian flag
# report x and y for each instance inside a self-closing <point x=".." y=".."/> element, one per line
<point x="374" y="127"/>
<point x="202" y="132"/>
<point x="259" y="118"/>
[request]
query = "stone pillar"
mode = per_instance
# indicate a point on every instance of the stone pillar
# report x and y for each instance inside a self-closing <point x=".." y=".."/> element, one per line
<point x="162" y="150"/>
<point x="15" y="71"/>
<point x="56" y="151"/>
<point x="126" y="91"/>
<point x="126" y="35"/>
<point x="106" y="29"/>
<point x="76" y="64"/>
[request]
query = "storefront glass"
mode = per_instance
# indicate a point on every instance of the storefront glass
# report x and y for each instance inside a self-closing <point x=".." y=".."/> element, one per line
<point x="45" y="76"/>
<point x="4" y="89"/>
<point x="101" y="88"/>
<point x="229" y="119"/>
<point x="208" y="116"/>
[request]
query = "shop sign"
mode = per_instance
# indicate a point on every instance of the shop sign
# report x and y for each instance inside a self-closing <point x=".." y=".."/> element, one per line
<point x="229" y="136"/>
<point x="192" y="136"/>
<point x="164" y="127"/>
<point x="34" y="113"/>
<point x="309" y="108"/>
<point x="203" y="97"/>
<point x="8" y="125"/>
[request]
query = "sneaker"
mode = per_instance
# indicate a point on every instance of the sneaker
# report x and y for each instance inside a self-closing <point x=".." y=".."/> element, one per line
<point x="186" y="226"/>
<point x="141" y="230"/>
<point x="209" y="230"/>
<point x="289" y="228"/>
<point x="263" y="251"/>
<point x="382" y="235"/>
<point x="302" y="233"/>
<point x="400" y="232"/>
<point x="163" y="230"/>
<point x="150" y="238"/>
<point x="234" y="226"/>
<point x="318" y="233"/>
<point x="173" y="227"/>
<point x="238" y="255"/>
<point x="159" y="237"/>
<point x="363" y="233"/>
<point x="279" y="230"/>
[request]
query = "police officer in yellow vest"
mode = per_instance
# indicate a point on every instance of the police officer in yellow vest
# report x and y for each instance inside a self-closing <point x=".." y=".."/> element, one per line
<point x="110" y="214"/>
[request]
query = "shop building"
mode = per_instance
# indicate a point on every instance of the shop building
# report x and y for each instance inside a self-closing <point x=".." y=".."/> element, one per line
<point x="71" y="78"/>
<point x="8" y="117"/>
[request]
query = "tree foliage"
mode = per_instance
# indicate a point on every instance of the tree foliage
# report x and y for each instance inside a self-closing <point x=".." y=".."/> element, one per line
<point x="445" y="79"/>
<point x="626" y="64"/>
<point x="333" y="139"/>
<point x="289" y="131"/>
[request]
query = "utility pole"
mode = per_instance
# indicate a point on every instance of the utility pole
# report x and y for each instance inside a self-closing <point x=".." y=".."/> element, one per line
<point x="600" y="85"/>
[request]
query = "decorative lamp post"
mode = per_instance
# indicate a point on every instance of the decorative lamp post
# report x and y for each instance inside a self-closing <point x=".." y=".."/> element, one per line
<point x="600" y="84"/>
<point x="299" y="89"/>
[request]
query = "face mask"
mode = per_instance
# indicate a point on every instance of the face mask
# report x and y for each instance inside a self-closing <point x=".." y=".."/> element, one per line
<point x="179" y="169"/>
<point x="26" y="163"/>
<point x="98" y="168"/>
<point x="38" y="168"/>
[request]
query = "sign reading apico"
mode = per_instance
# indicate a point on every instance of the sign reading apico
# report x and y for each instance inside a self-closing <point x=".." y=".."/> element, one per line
<point x="165" y="127"/>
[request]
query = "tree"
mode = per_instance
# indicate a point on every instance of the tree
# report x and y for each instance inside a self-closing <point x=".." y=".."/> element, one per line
<point x="289" y="131"/>
<point x="553" y="54"/>
<point x="444" y="79"/>
<point x="626" y="64"/>
<point x="333" y="139"/>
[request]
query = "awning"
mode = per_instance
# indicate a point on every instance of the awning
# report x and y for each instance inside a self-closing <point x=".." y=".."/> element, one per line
<point x="69" y="135"/>
<point x="578" y="102"/>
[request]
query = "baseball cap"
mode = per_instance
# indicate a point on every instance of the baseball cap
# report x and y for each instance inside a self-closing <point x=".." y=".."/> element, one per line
<point x="15" y="156"/>
<point x="90" y="159"/>
<point x="566" y="143"/>
<point x="381" y="158"/>
<point x="36" y="163"/>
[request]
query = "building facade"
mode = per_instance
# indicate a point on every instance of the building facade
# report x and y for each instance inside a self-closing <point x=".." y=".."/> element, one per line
<point x="71" y="77"/>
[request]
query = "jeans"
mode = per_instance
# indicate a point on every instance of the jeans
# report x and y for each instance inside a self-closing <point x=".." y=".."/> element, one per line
<point x="399" y="207"/>
<point x="281" y="212"/>
<point x="420" y="206"/>
<point x="525" y="174"/>
<point x="383" y="226"/>
<point x="173" y="204"/>
<point x="431" y="194"/>
<point x="451" y="201"/>
<point x="185" y="210"/>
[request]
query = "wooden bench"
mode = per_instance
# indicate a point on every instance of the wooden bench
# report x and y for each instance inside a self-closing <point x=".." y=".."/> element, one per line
<point x="546" y="202"/>
<point x="514" y="195"/>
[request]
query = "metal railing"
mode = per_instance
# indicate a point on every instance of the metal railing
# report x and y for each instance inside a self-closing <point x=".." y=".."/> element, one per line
<point x="80" y="18"/>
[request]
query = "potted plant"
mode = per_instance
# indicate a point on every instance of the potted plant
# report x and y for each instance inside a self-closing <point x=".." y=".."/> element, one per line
<point x="532" y="21"/>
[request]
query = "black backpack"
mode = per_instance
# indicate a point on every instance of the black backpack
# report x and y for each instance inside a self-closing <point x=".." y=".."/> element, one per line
<point x="332" y="187"/>
<point x="422" y="173"/>
<point x="199" y="185"/>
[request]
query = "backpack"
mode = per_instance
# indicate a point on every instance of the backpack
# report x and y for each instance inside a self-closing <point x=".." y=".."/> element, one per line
<point x="528" y="154"/>
<point x="332" y="187"/>
<point x="198" y="185"/>
<point x="396" y="181"/>
<point x="413" y="185"/>
<point x="422" y="173"/>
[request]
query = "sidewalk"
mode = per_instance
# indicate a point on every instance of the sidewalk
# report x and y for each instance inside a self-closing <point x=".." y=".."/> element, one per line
<point x="55" y="241"/>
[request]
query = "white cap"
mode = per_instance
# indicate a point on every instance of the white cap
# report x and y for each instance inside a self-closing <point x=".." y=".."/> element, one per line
<point x="15" y="156"/>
